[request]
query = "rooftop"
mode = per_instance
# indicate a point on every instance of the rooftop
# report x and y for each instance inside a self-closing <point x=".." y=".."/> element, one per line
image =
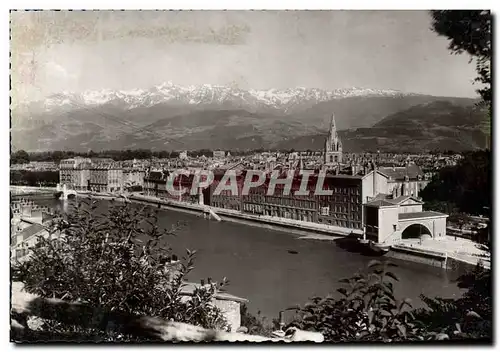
<point x="189" y="288"/>
<point x="401" y="199"/>
<point x="380" y="203"/>
<point x="31" y="231"/>
<point x="399" y="172"/>
<point x="419" y="215"/>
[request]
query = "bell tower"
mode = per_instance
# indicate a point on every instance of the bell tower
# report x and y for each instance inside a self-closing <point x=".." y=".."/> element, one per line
<point x="333" y="146"/>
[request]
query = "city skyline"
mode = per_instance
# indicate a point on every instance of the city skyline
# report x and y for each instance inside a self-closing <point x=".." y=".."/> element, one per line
<point x="94" y="50"/>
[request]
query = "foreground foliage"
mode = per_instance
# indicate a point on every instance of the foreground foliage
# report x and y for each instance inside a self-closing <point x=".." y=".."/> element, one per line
<point x="465" y="187"/>
<point x="368" y="311"/>
<point x="118" y="261"/>
<point x="469" y="31"/>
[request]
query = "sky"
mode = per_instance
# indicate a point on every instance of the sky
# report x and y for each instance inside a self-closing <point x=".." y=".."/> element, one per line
<point x="55" y="52"/>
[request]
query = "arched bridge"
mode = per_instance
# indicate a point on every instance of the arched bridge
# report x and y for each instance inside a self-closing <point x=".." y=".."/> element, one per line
<point x="62" y="192"/>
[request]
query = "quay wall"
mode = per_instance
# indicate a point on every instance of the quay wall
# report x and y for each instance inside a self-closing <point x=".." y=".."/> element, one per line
<point x="459" y="265"/>
<point x="236" y="216"/>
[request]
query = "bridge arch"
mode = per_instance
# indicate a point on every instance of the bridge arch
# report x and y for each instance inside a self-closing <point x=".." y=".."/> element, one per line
<point x="415" y="230"/>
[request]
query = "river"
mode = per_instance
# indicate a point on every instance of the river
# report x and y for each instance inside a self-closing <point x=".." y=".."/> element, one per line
<point x="258" y="264"/>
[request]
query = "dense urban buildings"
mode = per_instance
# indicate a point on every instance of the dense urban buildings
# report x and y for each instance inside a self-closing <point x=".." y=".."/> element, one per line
<point x="219" y="154"/>
<point x="359" y="185"/>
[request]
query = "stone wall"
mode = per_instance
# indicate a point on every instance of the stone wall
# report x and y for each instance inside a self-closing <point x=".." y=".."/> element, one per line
<point x="415" y="255"/>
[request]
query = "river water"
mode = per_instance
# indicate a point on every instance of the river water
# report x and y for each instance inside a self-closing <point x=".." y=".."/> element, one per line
<point x="258" y="264"/>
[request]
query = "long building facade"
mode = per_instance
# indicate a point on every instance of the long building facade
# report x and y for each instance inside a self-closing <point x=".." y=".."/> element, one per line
<point x="83" y="174"/>
<point x="342" y="208"/>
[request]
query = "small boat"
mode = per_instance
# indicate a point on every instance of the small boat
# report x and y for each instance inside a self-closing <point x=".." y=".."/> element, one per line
<point x="292" y="252"/>
<point x="349" y="243"/>
<point x="379" y="248"/>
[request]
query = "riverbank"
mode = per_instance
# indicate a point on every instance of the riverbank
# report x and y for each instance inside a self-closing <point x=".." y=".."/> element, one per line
<point x="446" y="251"/>
<point x="437" y="253"/>
<point x="297" y="227"/>
<point x="272" y="268"/>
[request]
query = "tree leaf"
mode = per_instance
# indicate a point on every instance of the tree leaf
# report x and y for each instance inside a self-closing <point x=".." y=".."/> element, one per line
<point x="342" y="291"/>
<point x="385" y="313"/>
<point x="373" y="263"/>
<point x="472" y="314"/>
<point x="442" y="336"/>
<point x="392" y="275"/>
<point x="370" y="316"/>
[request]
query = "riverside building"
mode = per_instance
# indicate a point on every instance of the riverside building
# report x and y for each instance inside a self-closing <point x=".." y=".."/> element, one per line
<point x="348" y="197"/>
<point x="81" y="174"/>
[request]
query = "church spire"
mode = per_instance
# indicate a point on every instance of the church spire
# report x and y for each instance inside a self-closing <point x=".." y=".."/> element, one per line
<point x="333" y="145"/>
<point x="333" y="128"/>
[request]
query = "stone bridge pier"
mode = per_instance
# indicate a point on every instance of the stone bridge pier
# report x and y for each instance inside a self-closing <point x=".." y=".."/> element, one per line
<point x="65" y="192"/>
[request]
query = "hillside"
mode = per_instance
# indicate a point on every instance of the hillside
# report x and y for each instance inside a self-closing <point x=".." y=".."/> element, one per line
<point x="443" y="125"/>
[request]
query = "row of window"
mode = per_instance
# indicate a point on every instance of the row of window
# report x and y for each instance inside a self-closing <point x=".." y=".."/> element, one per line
<point x="340" y="199"/>
<point x="279" y="212"/>
<point x="336" y="191"/>
<point x="226" y="205"/>
<point x="341" y="223"/>
<point x="354" y="215"/>
<point x="340" y="208"/>
<point x="292" y="202"/>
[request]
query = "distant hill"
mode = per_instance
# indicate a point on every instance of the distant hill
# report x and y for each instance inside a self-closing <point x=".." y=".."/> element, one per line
<point x="362" y="112"/>
<point x="443" y="125"/>
<point x="432" y="114"/>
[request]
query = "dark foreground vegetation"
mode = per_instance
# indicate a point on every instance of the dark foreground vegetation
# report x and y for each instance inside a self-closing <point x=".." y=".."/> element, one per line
<point x="465" y="187"/>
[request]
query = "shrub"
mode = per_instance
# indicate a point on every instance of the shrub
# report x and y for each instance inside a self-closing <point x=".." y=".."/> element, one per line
<point x="257" y="325"/>
<point x="368" y="311"/>
<point x="118" y="261"/>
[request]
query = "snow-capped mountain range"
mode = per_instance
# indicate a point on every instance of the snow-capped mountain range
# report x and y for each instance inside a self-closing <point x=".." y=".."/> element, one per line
<point x="284" y="100"/>
<point x="172" y="117"/>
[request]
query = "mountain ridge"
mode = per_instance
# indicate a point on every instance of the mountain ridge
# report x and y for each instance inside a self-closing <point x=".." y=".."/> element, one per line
<point x="216" y="121"/>
<point x="168" y="92"/>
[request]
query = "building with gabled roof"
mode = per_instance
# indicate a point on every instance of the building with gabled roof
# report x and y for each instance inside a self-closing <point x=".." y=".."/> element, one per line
<point x="390" y="219"/>
<point x="406" y="180"/>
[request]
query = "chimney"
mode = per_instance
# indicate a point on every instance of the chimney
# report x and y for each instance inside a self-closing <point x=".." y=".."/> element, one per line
<point x="374" y="179"/>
